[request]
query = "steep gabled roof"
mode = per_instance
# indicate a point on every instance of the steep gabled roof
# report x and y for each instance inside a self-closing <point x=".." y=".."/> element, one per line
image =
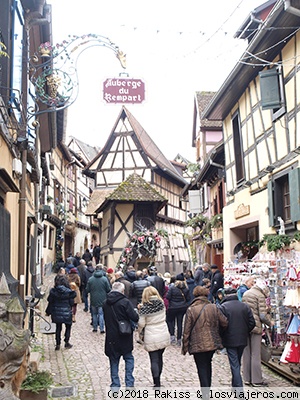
<point x="148" y="147"/>
<point x="88" y="152"/>
<point x="135" y="189"/>
<point x="203" y="99"/>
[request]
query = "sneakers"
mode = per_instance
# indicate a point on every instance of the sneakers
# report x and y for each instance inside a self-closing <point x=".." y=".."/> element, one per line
<point x="68" y="346"/>
<point x="173" y="340"/>
<point x="261" y="384"/>
<point x="57" y="347"/>
<point x="179" y="342"/>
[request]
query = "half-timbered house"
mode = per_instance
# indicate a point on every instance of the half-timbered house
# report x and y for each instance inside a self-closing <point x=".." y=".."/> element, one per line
<point x="130" y="153"/>
<point x="258" y="105"/>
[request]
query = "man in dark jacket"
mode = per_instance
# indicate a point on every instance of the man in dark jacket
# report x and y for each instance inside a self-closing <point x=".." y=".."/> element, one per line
<point x="234" y="338"/>
<point x="217" y="282"/>
<point x="119" y="277"/>
<point x="137" y="287"/>
<point x="98" y="287"/>
<point x="88" y="273"/>
<point x="117" y="307"/>
<point x="156" y="281"/>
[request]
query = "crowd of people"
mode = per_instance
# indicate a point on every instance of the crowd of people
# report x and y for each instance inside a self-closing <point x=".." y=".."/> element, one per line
<point x="191" y="310"/>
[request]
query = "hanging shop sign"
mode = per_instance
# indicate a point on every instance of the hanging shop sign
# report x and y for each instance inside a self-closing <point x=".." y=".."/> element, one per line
<point x="122" y="90"/>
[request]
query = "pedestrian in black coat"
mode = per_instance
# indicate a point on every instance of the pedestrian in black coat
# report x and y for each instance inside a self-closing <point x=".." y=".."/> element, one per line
<point x="217" y="282"/>
<point x="117" y="307"/>
<point x="156" y="281"/>
<point x="235" y="337"/>
<point x="60" y="303"/>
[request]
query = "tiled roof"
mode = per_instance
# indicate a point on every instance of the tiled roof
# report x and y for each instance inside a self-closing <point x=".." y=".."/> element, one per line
<point x="135" y="188"/>
<point x="203" y="100"/>
<point x="97" y="198"/>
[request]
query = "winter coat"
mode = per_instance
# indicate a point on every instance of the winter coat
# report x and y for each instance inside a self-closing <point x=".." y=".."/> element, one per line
<point x="256" y="299"/>
<point x="87" y="256"/>
<point x="240" y="321"/>
<point x="204" y="335"/>
<point x="136" y="290"/>
<point x="116" y="344"/>
<point x="61" y="301"/>
<point x="178" y="296"/>
<point x="153" y="321"/>
<point x="130" y="276"/>
<point x="81" y="270"/>
<point x="191" y="285"/>
<point x="241" y="290"/>
<point x="98" y="287"/>
<point x="157" y="282"/>
<point x="127" y="285"/>
<point x="217" y="282"/>
<point x="88" y="273"/>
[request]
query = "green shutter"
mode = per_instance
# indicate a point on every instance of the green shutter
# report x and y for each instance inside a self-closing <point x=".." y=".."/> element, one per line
<point x="271" y="203"/>
<point x="294" y="185"/>
<point x="269" y="89"/>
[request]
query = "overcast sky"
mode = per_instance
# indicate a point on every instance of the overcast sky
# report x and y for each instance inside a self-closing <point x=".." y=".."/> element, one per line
<point x="175" y="47"/>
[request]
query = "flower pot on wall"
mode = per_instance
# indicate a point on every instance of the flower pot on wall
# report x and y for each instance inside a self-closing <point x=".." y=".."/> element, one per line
<point x="29" y="395"/>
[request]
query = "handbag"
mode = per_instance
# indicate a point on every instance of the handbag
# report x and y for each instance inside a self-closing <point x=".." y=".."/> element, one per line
<point x="124" y="325"/>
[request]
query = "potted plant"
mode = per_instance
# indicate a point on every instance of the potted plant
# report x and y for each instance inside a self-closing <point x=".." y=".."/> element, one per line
<point x="45" y="49"/>
<point x="216" y="221"/>
<point x="36" y="385"/>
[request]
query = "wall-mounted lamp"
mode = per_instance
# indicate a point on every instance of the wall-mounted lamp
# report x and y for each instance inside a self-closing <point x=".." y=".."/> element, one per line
<point x="297" y="150"/>
<point x="269" y="169"/>
<point x="247" y="183"/>
<point x="231" y="193"/>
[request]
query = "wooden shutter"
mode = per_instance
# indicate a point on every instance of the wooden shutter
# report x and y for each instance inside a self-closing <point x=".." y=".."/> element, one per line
<point x="294" y="186"/>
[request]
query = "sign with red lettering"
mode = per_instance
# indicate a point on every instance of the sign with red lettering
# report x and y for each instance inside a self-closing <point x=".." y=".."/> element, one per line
<point x="123" y="90"/>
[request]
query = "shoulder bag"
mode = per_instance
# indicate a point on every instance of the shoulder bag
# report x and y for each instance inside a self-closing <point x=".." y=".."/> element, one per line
<point x="123" y="325"/>
<point x="197" y="319"/>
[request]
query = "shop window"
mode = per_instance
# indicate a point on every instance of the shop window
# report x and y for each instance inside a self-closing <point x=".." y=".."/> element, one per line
<point x="283" y="196"/>
<point x="238" y="149"/>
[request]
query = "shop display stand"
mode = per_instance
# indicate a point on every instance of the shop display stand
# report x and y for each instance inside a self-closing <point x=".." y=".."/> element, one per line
<point x="281" y="270"/>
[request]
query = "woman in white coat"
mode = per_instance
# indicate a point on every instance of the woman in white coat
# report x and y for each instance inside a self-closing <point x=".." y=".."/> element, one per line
<point x="153" y="327"/>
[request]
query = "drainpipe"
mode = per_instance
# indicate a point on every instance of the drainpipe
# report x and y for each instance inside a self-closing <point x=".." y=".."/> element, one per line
<point x="22" y="228"/>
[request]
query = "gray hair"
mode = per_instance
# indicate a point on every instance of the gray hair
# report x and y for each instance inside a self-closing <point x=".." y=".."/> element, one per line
<point x="99" y="267"/>
<point x="118" y="287"/>
<point x="119" y="274"/>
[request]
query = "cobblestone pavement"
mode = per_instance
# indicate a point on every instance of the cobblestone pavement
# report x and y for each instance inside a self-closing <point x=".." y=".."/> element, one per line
<point x="86" y="367"/>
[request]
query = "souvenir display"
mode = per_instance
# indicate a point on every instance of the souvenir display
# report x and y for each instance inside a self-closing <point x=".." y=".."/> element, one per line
<point x="281" y="271"/>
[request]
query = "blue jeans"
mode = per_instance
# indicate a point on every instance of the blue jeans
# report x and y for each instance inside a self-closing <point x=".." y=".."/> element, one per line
<point x="85" y="299"/>
<point x="97" y="318"/>
<point x="234" y="356"/>
<point x="114" y="370"/>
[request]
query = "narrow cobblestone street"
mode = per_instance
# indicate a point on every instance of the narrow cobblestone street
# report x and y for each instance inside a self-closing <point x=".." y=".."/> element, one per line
<point x="86" y="367"/>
